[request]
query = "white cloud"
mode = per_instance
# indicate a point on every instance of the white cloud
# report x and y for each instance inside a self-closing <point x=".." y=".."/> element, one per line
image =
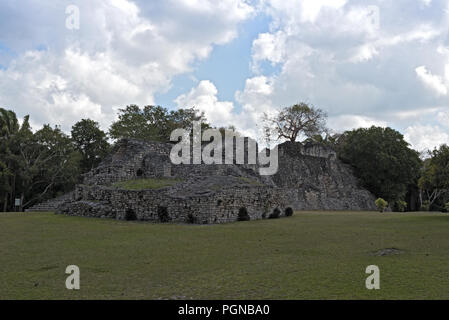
<point x="204" y="98"/>
<point x="433" y="82"/>
<point x="255" y="100"/>
<point x="443" y="118"/>
<point x="269" y="47"/>
<point x="124" y="52"/>
<point x="426" y="137"/>
<point x="352" y="60"/>
<point x="339" y="55"/>
<point x="349" y="122"/>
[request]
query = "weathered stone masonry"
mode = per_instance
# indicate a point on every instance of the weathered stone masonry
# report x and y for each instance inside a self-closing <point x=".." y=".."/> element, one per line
<point x="309" y="178"/>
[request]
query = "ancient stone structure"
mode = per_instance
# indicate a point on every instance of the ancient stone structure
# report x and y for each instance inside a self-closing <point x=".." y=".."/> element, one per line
<point x="310" y="177"/>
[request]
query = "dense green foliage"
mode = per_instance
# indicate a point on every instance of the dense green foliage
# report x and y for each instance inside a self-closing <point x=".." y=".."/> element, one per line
<point x="381" y="204"/>
<point x="91" y="142"/>
<point x="33" y="165"/>
<point x="382" y="159"/>
<point x="434" y="180"/>
<point x="400" y="206"/>
<point x="152" y="123"/>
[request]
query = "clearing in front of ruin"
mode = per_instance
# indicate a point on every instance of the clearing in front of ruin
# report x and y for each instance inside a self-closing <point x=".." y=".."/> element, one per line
<point x="145" y="184"/>
<point x="312" y="255"/>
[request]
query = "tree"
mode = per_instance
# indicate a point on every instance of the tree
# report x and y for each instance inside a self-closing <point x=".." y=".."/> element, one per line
<point x="382" y="160"/>
<point x="292" y="122"/>
<point x="152" y="123"/>
<point x="381" y="204"/>
<point x="49" y="163"/>
<point x="91" y="142"/>
<point x="11" y="133"/>
<point x="434" y="180"/>
<point x="5" y="188"/>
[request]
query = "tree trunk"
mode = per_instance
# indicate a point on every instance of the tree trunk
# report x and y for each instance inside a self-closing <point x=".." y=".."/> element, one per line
<point x="5" y="205"/>
<point x="13" y="192"/>
<point x="420" y="199"/>
<point x="21" y="202"/>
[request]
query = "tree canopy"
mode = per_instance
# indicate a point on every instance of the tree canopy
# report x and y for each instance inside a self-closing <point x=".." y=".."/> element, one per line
<point x="36" y="165"/>
<point x="91" y="142"/>
<point x="434" y="180"/>
<point x="152" y="122"/>
<point x="382" y="160"/>
<point x="292" y="122"/>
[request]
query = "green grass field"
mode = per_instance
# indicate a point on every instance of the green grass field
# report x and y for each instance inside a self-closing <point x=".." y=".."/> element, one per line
<point x="312" y="255"/>
<point x="143" y="184"/>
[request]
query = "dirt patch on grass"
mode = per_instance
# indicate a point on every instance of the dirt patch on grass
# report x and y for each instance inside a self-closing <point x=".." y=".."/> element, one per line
<point x="387" y="252"/>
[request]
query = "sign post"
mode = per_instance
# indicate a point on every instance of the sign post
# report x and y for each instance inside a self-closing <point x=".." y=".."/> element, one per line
<point x="18" y="203"/>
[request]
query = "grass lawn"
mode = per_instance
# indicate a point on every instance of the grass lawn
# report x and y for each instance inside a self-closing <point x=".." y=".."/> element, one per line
<point x="312" y="255"/>
<point x="143" y="184"/>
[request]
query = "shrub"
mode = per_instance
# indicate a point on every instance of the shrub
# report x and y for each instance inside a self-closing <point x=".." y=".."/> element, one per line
<point x="400" y="206"/>
<point x="381" y="204"/>
<point x="425" y="206"/>
<point x="288" y="212"/>
<point x="275" y="214"/>
<point x="446" y="206"/>
<point x="243" y="215"/>
<point x="130" y="215"/>
<point x="191" y="219"/>
<point x="162" y="213"/>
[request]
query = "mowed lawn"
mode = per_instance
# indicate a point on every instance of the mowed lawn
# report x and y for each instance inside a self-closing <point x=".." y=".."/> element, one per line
<point x="312" y="255"/>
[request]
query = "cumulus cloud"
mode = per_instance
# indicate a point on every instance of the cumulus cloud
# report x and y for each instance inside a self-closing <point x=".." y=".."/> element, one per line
<point x="363" y="63"/>
<point x="426" y="137"/>
<point x="124" y="52"/>
<point x="350" y="122"/>
<point x="443" y="118"/>
<point x="204" y="98"/>
<point x="354" y="61"/>
<point x="433" y="82"/>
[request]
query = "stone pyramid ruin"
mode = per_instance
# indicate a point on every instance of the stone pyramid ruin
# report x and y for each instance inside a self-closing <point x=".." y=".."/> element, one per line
<point x="309" y="177"/>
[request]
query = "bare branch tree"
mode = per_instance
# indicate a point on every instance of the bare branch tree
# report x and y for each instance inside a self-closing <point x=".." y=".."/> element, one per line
<point x="292" y="122"/>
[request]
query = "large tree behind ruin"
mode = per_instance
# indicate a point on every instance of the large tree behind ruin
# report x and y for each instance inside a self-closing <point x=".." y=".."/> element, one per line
<point x="291" y="123"/>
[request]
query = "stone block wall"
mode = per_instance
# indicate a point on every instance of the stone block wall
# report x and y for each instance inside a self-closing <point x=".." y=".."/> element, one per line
<point x="162" y="206"/>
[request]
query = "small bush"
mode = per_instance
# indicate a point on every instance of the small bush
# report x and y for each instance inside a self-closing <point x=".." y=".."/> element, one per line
<point x="275" y="214"/>
<point x="162" y="213"/>
<point x="446" y="207"/>
<point x="400" y="206"/>
<point x="288" y="212"/>
<point x="191" y="219"/>
<point x="425" y="206"/>
<point x="243" y="215"/>
<point x="130" y="215"/>
<point x="381" y="204"/>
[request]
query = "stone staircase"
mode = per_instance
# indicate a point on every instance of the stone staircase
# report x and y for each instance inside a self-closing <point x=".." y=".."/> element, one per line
<point x="50" y="205"/>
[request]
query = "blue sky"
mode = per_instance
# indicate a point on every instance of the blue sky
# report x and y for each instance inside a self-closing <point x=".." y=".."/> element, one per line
<point x="228" y="66"/>
<point x="365" y="63"/>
